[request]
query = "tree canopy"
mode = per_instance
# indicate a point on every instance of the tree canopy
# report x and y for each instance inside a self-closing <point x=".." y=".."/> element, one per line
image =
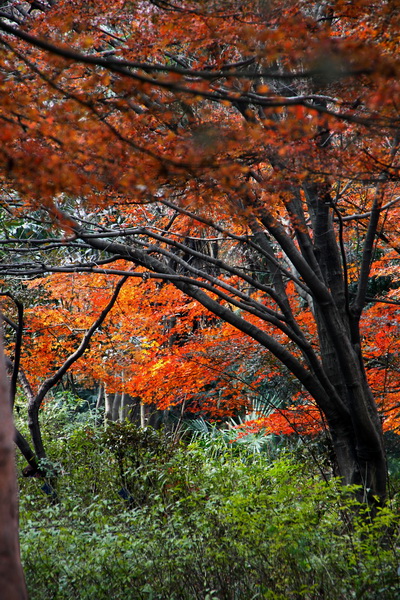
<point x="238" y="163"/>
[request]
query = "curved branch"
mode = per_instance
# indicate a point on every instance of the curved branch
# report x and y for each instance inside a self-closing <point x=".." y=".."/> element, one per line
<point x="35" y="402"/>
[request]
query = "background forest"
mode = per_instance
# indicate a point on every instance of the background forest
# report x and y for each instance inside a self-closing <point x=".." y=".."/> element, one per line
<point x="199" y="252"/>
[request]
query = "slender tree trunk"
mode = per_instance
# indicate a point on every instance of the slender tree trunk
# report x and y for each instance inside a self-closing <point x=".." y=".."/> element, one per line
<point x="100" y="397"/>
<point x="108" y="404"/>
<point x="27" y="452"/>
<point x="116" y="406"/>
<point x="126" y="406"/>
<point x="134" y="408"/>
<point x="12" y="581"/>
<point x="143" y="414"/>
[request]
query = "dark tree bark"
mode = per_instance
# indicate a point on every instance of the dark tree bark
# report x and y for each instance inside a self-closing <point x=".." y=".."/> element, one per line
<point x="12" y="582"/>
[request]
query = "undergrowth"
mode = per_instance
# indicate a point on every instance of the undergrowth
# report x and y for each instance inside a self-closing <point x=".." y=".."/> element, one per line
<point x="143" y="517"/>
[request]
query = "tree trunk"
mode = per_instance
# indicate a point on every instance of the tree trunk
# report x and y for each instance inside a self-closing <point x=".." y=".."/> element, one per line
<point x="108" y="404"/>
<point x="144" y="414"/>
<point x="100" y="397"/>
<point x="362" y="464"/>
<point x="115" y="407"/>
<point x="357" y="436"/>
<point x="126" y="407"/>
<point x="12" y="582"/>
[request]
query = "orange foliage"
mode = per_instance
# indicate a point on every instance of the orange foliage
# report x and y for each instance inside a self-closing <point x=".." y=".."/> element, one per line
<point x="183" y="134"/>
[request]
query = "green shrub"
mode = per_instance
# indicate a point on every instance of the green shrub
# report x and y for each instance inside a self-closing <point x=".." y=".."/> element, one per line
<point x="140" y="455"/>
<point x="204" y="525"/>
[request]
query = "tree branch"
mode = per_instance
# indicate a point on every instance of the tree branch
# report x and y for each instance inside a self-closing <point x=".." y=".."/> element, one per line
<point x="50" y="382"/>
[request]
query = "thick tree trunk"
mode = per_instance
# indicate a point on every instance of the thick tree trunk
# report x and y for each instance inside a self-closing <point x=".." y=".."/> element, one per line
<point x="12" y="582"/>
<point x="357" y="436"/>
<point x="360" y="464"/>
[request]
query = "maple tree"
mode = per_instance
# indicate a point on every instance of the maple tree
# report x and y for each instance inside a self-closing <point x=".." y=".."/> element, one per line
<point x="56" y="358"/>
<point x="244" y="156"/>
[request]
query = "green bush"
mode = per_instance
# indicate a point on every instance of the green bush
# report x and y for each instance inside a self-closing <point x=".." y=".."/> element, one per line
<point x="140" y="455"/>
<point x="202" y="525"/>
